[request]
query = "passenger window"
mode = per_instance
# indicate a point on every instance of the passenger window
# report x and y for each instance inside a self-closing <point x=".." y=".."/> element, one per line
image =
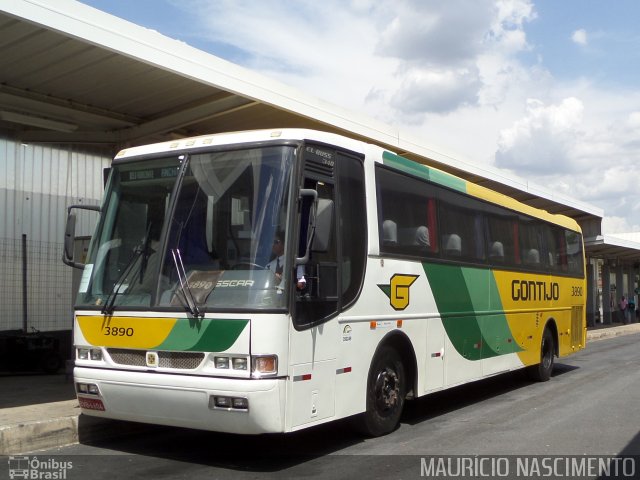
<point x="462" y="232"/>
<point x="407" y="222"/>
<point x="530" y="243"/>
<point x="574" y="253"/>
<point x="501" y="239"/>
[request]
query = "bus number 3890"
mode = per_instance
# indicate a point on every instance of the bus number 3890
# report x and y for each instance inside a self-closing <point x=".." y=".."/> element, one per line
<point x="118" y="331"/>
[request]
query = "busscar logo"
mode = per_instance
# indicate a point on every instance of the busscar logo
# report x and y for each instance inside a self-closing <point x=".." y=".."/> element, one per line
<point x="398" y="290"/>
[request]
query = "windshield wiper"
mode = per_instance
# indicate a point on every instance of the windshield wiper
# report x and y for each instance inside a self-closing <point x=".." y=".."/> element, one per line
<point x="111" y="299"/>
<point x="189" y="300"/>
<point x="138" y="251"/>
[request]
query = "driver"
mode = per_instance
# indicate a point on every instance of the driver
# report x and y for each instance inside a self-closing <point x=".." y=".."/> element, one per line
<point x="276" y="265"/>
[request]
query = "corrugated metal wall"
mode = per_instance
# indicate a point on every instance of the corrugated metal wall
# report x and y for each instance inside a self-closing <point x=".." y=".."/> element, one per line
<point x="37" y="184"/>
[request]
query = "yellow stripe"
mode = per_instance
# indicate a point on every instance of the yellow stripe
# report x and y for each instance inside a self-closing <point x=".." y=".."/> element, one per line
<point x="125" y="332"/>
<point x="508" y="202"/>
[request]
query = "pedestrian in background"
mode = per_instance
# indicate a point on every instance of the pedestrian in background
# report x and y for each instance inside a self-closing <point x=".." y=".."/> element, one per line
<point x="623" y="309"/>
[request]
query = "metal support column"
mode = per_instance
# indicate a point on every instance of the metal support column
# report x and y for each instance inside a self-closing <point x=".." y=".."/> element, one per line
<point x="620" y="291"/>
<point x="592" y="293"/>
<point x="606" y="293"/>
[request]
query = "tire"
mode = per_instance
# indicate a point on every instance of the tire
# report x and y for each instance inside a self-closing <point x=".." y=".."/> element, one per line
<point x="386" y="391"/>
<point x="542" y="371"/>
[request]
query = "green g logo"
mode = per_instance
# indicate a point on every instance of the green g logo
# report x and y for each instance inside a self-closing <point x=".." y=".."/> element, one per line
<point x="398" y="290"/>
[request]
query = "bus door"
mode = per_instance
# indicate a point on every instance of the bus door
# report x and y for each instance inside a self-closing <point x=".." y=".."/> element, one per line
<point x="333" y="272"/>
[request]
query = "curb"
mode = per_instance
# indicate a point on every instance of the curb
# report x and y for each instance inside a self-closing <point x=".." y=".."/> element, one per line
<point x="38" y="435"/>
<point x="75" y="428"/>
<point x="599" y="334"/>
<point x="29" y="437"/>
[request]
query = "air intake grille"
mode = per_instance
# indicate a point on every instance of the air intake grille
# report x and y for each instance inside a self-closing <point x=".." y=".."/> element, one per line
<point x="137" y="358"/>
<point x="319" y="168"/>
<point x="577" y="326"/>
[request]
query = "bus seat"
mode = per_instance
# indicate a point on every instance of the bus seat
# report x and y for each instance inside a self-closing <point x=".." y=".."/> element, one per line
<point x="532" y="256"/>
<point x="421" y="237"/>
<point x="452" y="244"/>
<point x="389" y="232"/>
<point x="497" y="252"/>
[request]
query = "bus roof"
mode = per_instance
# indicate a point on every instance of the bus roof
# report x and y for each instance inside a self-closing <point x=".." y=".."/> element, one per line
<point x="387" y="157"/>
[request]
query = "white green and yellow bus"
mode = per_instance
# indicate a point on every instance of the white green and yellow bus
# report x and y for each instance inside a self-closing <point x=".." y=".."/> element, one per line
<point x="394" y="280"/>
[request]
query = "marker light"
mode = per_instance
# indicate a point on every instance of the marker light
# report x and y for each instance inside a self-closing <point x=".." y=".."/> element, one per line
<point x="264" y="365"/>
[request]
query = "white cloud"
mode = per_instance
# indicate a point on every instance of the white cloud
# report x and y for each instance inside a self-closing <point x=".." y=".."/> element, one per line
<point x="580" y="37"/>
<point x="544" y="140"/>
<point x="411" y="56"/>
<point x="452" y="73"/>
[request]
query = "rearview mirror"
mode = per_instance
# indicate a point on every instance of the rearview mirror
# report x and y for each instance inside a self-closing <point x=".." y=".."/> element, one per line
<point x="70" y="235"/>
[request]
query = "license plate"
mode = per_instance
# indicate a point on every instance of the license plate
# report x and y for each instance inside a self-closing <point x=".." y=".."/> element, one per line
<point x="91" y="403"/>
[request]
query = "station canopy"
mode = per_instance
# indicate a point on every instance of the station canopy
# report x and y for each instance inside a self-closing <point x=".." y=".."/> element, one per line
<point x="71" y="74"/>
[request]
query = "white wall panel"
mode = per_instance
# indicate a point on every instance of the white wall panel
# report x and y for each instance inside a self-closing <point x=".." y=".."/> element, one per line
<point x="37" y="184"/>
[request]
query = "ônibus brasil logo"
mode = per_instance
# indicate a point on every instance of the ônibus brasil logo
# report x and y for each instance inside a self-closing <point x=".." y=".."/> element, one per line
<point x="398" y="290"/>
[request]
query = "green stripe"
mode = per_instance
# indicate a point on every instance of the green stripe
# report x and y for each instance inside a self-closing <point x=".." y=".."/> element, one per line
<point x="422" y="171"/>
<point x="203" y="335"/>
<point x="461" y="294"/>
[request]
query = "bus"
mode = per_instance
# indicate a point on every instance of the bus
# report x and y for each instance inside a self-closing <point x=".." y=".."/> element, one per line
<point x="395" y="280"/>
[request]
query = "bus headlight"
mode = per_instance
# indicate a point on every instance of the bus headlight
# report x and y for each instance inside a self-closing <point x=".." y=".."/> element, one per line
<point x="221" y="362"/>
<point x="264" y="365"/>
<point x="239" y="363"/>
<point x="89" y="354"/>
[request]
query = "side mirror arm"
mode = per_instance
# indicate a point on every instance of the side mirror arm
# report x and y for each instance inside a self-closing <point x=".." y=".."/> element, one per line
<point x="313" y="194"/>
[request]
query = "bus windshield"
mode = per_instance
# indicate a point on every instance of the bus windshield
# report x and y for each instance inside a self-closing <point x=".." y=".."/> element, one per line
<point x="199" y="229"/>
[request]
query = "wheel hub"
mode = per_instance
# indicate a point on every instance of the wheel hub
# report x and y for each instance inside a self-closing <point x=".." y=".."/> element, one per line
<point x="387" y="389"/>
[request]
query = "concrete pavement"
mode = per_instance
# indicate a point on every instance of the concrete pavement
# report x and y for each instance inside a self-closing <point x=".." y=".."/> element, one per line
<point x="39" y="412"/>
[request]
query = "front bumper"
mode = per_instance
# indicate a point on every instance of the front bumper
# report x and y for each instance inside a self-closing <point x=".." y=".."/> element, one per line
<point x="185" y="401"/>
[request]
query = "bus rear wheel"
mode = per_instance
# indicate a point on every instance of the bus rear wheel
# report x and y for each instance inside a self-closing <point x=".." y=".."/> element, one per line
<point x="386" y="390"/>
<point x="542" y="371"/>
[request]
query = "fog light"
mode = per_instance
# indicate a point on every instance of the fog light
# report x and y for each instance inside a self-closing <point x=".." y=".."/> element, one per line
<point x="83" y="353"/>
<point x="240" y="403"/>
<point x="96" y="354"/>
<point x="239" y="363"/>
<point x="221" y="362"/>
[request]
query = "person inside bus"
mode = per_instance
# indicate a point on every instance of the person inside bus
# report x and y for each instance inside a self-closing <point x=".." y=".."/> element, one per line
<point x="277" y="265"/>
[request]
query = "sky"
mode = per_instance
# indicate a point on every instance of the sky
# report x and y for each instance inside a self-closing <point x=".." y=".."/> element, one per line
<point x="547" y="90"/>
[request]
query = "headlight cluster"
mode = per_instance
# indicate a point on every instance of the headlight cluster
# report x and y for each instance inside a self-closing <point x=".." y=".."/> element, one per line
<point x="236" y="363"/>
<point x="83" y="353"/>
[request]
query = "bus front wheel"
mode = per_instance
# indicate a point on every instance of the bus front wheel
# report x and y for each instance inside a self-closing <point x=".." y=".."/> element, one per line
<point x="386" y="389"/>
<point x="542" y="371"/>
